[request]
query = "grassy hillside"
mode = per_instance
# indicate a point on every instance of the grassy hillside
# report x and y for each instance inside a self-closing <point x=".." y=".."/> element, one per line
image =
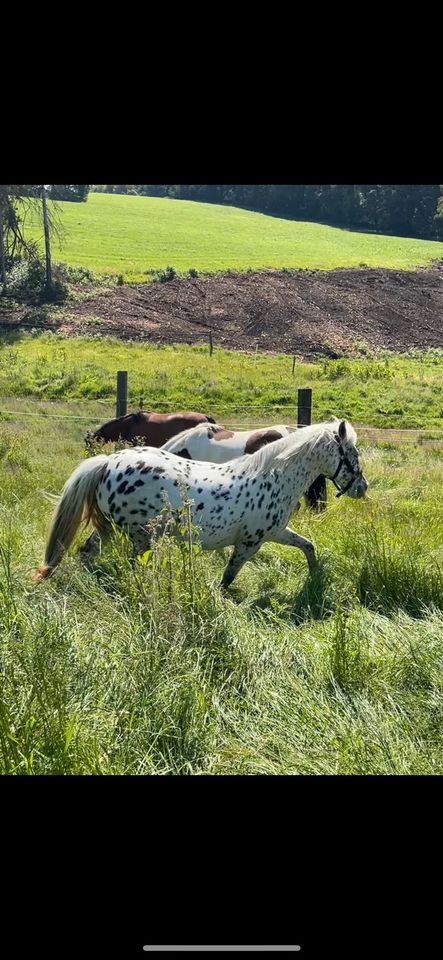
<point x="135" y="235"/>
<point x="387" y="391"/>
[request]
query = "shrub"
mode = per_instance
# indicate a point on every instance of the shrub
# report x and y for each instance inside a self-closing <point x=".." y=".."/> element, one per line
<point x="164" y="276"/>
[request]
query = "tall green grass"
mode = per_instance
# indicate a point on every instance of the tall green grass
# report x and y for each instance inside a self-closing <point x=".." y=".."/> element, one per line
<point x="383" y="390"/>
<point x="143" y="667"/>
<point x="134" y="236"/>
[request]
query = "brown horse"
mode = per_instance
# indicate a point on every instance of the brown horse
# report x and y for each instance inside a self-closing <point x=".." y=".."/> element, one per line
<point x="153" y="428"/>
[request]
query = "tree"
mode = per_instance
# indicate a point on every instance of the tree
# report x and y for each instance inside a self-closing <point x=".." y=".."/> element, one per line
<point x="2" y="240"/>
<point x="47" y="243"/>
<point x="76" y="192"/>
<point x="18" y="199"/>
<point x="438" y="219"/>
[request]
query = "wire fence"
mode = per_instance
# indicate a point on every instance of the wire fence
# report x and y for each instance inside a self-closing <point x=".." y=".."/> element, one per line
<point x="257" y="418"/>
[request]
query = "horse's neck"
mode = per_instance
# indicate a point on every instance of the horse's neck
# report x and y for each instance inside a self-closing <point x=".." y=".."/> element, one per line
<point x="304" y="470"/>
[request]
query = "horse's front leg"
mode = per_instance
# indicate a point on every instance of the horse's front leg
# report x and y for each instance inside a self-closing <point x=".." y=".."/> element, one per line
<point x="288" y="538"/>
<point x="240" y="554"/>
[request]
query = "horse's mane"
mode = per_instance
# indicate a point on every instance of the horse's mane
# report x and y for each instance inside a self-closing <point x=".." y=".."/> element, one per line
<point x="137" y="414"/>
<point x="296" y="445"/>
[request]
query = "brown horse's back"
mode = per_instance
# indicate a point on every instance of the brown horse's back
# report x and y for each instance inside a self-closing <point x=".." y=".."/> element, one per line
<point x="153" y="428"/>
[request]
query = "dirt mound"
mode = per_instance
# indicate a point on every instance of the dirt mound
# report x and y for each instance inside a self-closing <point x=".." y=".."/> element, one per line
<point x="308" y="313"/>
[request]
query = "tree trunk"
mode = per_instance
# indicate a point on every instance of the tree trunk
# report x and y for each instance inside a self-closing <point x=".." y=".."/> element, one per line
<point x="47" y="247"/>
<point x="2" y="254"/>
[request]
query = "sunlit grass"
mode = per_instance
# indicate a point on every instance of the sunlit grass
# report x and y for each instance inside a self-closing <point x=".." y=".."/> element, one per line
<point x="134" y="235"/>
<point x="384" y="390"/>
<point x="145" y="668"/>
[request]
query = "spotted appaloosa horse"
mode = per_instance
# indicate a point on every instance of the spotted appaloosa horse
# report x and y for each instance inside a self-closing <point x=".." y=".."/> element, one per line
<point x="243" y="503"/>
<point x="155" y="428"/>
<point x="217" y="445"/>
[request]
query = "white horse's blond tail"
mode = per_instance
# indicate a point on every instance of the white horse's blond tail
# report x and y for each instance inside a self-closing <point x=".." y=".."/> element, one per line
<point x="77" y="503"/>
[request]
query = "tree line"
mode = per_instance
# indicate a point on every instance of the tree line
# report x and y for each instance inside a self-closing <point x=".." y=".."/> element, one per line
<point x="400" y="209"/>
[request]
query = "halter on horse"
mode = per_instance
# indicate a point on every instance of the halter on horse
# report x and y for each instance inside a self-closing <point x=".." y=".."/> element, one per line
<point x="243" y="503"/>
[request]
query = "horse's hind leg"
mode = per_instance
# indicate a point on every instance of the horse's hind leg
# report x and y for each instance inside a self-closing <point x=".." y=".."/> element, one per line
<point x="91" y="546"/>
<point x="240" y="554"/>
<point x="291" y="539"/>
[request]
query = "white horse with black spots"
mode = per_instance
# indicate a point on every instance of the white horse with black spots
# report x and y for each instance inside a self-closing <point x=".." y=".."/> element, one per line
<point x="215" y="444"/>
<point x="243" y="503"/>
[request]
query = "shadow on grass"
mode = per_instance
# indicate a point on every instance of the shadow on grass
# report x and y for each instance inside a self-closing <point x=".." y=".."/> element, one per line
<point x="393" y="579"/>
<point x="314" y="601"/>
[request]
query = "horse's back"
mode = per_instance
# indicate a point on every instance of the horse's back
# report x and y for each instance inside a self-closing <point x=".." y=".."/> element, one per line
<point x="155" y="428"/>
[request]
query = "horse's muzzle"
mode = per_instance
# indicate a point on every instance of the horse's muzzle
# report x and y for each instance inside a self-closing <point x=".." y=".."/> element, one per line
<point x="358" y="489"/>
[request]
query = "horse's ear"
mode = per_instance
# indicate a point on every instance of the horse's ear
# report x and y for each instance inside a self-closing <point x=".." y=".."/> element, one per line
<point x="342" y="430"/>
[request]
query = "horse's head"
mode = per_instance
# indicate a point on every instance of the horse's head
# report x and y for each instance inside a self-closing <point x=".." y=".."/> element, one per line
<point x="348" y="476"/>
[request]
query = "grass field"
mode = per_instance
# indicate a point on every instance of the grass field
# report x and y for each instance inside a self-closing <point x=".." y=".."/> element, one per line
<point x="383" y="391"/>
<point x="144" y="667"/>
<point x="135" y="235"/>
<point x="147" y="669"/>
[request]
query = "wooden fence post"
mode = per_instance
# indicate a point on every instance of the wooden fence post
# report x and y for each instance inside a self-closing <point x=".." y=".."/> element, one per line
<point x="317" y="493"/>
<point x="211" y="346"/>
<point x="122" y="393"/>
<point x="304" y="398"/>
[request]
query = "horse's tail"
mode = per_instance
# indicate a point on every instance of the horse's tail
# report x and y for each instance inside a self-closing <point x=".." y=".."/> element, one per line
<point x="76" y="503"/>
<point x="315" y="496"/>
